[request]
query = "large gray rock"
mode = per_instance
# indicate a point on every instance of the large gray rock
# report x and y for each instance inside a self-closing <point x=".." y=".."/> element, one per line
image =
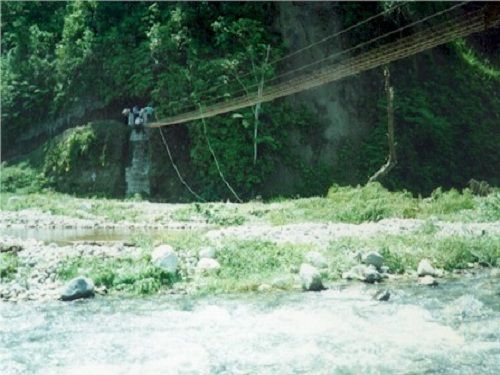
<point x="368" y="274"/>
<point x="310" y="278"/>
<point x="425" y="268"/>
<point x="79" y="287"/>
<point x="373" y="258"/>
<point x="164" y="257"/>
<point x="316" y="259"/>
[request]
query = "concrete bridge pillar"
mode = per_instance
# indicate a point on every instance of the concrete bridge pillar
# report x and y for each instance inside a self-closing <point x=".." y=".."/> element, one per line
<point x="137" y="174"/>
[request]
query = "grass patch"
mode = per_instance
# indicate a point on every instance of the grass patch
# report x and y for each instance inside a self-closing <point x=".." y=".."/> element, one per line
<point x="9" y="264"/>
<point x="126" y="275"/>
<point x="247" y="264"/>
<point x="67" y="205"/>
<point x="402" y="253"/>
<point x="373" y="202"/>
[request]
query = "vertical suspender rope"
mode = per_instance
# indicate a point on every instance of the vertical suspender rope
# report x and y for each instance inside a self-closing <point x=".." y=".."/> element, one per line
<point x="215" y="158"/>
<point x="176" y="169"/>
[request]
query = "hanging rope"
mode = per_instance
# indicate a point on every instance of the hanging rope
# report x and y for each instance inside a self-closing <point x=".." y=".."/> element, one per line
<point x="177" y="169"/>
<point x="215" y="158"/>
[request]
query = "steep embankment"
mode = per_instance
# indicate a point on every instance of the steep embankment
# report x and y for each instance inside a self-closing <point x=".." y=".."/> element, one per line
<point x="83" y="59"/>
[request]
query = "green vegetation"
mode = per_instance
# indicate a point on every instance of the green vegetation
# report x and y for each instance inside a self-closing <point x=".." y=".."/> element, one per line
<point x="373" y="202"/>
<point x="86" y="160"/>
<point x="20" y="178"/>
<point x="83" y="59"/>
<point x="127" y="275"/>
<point x="9" y="264"/>
<point x="247" y="264"/>
<point x="403" y="252"/>
<point x="63" y="204"/>
<point x="475" y="61"/>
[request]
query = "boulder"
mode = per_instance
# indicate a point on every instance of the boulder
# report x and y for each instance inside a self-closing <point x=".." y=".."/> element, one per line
<point x="207" y="252"/>
<point x="427" y="280"/>
<point x="164" y="257"/>
<point x="368" y="274"/>
<point x="310" y="278"/>
<point x="425" y="268"/>
<point x="79" y="287"/>
<point x="373" y="258"/>
<point x="206" y="265"/>
<point x="316" y="259"/>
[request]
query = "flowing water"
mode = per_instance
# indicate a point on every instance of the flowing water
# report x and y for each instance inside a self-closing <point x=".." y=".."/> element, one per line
<point x="451" y="329"/>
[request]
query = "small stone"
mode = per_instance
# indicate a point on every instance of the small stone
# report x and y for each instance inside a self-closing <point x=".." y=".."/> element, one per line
<point x="382" y="295"/>
<point x="425" y="268"/>
<point x="206" y="265"/>
<point x="79" y="287"/>
<point x="164" y="257"/>
<point x="207" y="252"/>
<point x="310" y="278"/>
<point x="316" y="259"/>
<point x="384" y="269"/>
<point x="427" y="280"/>
<point x="373" y="258"/>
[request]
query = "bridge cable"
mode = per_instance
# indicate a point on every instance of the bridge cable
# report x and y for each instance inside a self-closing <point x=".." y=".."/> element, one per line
<point x="309" y="46"/>
<point x="181" y="179"/>
<point x="343" y="52"/>
<point x="340" y="53"/>
<point x="215" y="158"/>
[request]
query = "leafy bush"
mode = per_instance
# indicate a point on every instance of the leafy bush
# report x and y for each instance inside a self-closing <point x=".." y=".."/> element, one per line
<point x="20" y="178"/>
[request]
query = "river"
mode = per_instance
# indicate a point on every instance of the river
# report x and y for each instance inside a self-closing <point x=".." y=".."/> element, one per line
<point x="451" y="329"/>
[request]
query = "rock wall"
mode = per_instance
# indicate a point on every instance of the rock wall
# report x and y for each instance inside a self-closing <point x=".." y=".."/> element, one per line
<point x="344" y="110"/>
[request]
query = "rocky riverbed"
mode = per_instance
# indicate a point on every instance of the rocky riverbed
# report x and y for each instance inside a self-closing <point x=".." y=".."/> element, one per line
<point x="41" y="242"/>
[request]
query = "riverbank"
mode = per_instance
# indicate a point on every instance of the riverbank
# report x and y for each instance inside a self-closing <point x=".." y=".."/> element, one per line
<point x="225" y="247"/>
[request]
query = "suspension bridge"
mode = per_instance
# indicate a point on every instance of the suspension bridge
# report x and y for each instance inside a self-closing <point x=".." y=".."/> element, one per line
<point x="431" y="36"/>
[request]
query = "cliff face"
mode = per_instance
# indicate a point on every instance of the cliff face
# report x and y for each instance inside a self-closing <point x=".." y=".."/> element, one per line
<point x="343" y="111"/>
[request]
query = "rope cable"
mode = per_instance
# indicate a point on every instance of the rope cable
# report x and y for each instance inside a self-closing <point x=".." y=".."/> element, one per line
<point x="181" y="179"/>
<point x="215" y="158"/>
<point x="335" y="55"/>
